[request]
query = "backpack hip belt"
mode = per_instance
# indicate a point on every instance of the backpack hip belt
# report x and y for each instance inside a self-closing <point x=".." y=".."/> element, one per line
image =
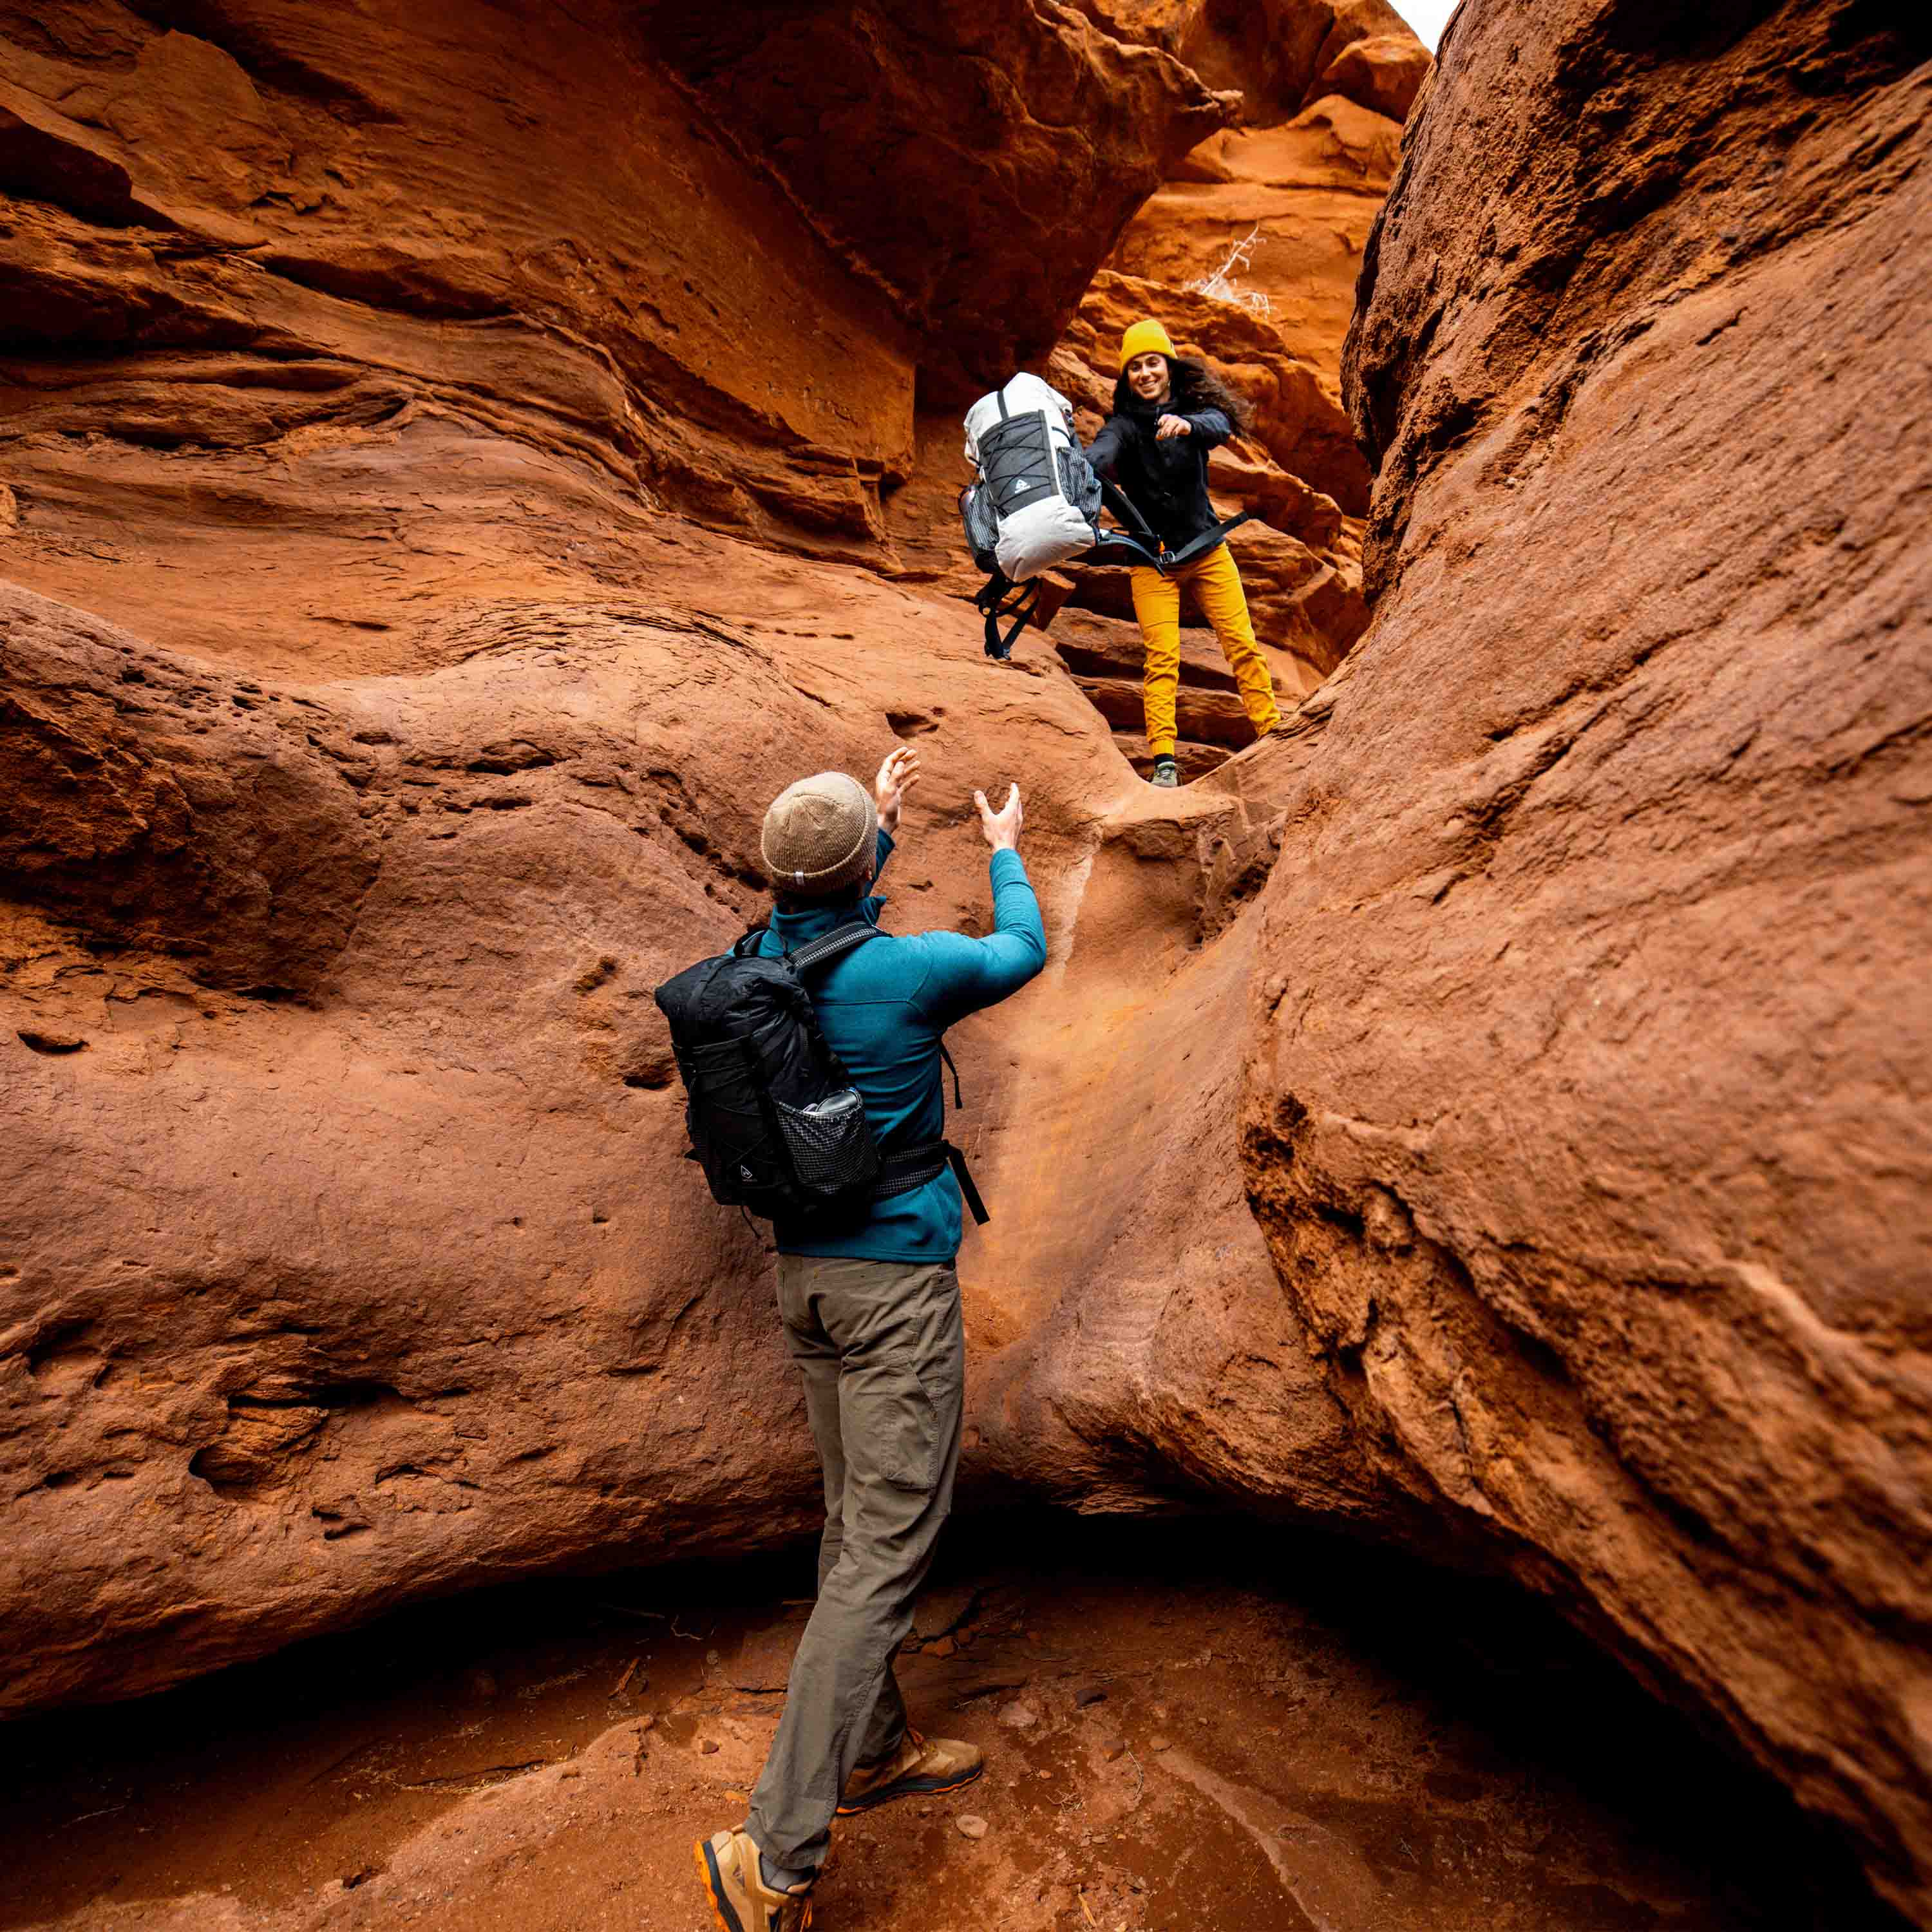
<point x="911" y="1167"/>
<point x="900" y="1173"/>
<point x="774" y="1118"/>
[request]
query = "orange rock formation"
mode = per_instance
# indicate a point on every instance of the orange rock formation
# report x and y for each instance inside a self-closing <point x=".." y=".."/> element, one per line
<point x="1250" y="252"/>
<point x="457" y="465"/>
<point x="1584" y="1102"/>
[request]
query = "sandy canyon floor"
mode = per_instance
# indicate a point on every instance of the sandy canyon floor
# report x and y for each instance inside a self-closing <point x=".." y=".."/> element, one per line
<point x="1197" y="1730"/>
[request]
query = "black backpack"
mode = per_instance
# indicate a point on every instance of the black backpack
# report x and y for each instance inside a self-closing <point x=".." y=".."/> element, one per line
<point x="774" y="1119"/>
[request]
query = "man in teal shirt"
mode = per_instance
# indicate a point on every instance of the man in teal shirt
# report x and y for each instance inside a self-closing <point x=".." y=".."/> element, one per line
<point x="872" y="1318"/>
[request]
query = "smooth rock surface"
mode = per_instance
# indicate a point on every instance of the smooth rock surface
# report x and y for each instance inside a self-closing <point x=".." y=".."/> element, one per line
<point x="1585" y="1106"/>
<point x="977" y="157"/>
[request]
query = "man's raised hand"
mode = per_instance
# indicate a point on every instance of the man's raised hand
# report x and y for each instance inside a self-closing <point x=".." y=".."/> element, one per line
<point x="897" y="776"/>
<point x="1001" y="828"/>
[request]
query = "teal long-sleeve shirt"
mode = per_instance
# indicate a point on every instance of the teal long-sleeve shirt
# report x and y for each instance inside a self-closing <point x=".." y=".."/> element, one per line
<point x="884" y="1009"/>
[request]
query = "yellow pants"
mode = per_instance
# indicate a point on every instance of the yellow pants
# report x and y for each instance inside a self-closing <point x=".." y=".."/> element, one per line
<point x="1157" y="604"/>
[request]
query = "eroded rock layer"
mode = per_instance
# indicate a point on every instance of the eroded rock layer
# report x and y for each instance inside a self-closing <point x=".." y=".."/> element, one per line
<point x="374" y="739"/>
<point x="389" y="698"/>
<point x="238" y="220"/>
<point x="1585" y="1110"/>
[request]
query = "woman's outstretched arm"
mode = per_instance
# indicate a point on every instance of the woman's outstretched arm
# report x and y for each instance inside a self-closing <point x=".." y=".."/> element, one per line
<point x="1211" y="425"/>
<point x="1104" y="451"/>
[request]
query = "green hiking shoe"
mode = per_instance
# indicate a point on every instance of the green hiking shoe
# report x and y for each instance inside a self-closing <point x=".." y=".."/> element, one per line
<point x="741" y="1901"/>
<point x="1166" y="773"/>
<point x="920" y="1767"/>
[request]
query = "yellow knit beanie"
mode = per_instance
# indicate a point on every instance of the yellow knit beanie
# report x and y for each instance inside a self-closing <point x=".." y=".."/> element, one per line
<point x="1143" y="338"/>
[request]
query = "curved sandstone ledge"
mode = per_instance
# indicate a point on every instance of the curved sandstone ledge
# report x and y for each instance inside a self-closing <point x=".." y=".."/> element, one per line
<point x="349" y="1254"/>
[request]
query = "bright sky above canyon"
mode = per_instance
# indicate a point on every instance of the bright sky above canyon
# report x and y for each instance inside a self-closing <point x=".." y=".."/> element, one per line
<point x="1428" y="17"/>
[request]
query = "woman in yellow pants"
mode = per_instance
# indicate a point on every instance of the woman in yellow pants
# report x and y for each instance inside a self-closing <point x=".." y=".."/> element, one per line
<point x="1169" y="411"/>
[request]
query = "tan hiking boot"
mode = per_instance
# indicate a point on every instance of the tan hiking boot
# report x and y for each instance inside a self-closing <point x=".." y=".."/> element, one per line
<point x="920" y="1767"/>
<point x="728" y="1861"/>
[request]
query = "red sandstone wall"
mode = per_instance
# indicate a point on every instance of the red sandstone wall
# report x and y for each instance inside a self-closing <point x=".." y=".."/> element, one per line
<point x="1584" y="1104"/>
<point x="389" y="696"/>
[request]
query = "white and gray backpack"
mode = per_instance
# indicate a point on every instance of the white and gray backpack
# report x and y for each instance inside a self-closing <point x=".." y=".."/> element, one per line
<point x="1035" y="486"/>
<point x="1036" y="501"/>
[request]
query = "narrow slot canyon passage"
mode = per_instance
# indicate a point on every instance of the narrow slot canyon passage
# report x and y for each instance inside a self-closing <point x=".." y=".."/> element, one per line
<point x="1445" y="1443"/>
<point x="1187" y="1725"/>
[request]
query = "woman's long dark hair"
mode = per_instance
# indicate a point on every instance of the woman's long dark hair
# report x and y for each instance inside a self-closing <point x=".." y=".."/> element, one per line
<point x="1194" y="386"/>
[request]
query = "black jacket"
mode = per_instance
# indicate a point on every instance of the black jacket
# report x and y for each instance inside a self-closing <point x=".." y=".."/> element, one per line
<point x="1167" y="482"/>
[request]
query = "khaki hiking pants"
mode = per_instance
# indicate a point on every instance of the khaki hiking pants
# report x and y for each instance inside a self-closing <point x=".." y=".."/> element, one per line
<point x="1217" y="583"/>
<point x="882" y="1348"/>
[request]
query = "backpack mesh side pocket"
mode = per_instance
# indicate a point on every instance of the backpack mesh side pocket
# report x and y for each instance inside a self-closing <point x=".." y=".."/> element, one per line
<point x="830" y="1142"/>
<point x="1079" y="485"/>
<point x="981" y="526"/>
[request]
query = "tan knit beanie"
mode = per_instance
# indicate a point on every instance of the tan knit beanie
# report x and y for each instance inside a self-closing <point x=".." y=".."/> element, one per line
<point x="819" y="835"/>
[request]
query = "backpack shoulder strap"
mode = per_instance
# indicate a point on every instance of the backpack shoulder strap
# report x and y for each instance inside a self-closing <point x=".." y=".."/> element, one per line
<point x="1123" y="507"/>
<point x="997" y="598"/>
<point x="834" y="945"/>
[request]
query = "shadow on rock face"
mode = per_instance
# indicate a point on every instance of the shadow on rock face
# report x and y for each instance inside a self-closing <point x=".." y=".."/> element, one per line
<point x="159" y="807"/>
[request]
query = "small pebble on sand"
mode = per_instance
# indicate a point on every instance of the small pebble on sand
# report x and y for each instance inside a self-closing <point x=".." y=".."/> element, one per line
<point x="707" y="1745"/>
<point x="1159" y="1744"/>
<point x="970" y="1825"/>
<point x="1019" y="1717"/>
